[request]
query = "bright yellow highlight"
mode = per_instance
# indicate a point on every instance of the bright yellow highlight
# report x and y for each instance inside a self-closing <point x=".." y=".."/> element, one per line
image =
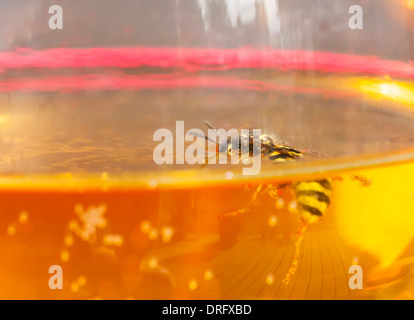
<point x="3" y="119"/>
<point x="378" y="219"/>
<point x="392" y="90"/>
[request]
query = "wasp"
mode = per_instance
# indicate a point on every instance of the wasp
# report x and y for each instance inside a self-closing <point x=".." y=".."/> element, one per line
<point x="313" y="197"/>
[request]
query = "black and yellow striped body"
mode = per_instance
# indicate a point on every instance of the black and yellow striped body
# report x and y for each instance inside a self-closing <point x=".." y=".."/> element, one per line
<point x="313" y="199"/>
<point x="269" y="149"/>
<point x="280" y="153"/>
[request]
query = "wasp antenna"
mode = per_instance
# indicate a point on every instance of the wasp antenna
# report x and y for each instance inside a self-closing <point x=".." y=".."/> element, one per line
<point x="208" y="124"/>
<point x="191" y="133"/>
<point x="316" y="153"/>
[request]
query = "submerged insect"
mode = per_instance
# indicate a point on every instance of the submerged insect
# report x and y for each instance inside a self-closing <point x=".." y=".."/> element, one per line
<point x="312" y="197"/>
<point x="269" y="146"/>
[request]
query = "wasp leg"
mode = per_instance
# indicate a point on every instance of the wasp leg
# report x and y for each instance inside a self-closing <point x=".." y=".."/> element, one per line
<point x="298" y="243"/>
<point x="251" y="206"/>
<point x="208" y="158"/>
<point x="276" y="192"/>
<point x="365" y="182"/>
<point x="230" y="157"/>
<point x="316" y="154"/>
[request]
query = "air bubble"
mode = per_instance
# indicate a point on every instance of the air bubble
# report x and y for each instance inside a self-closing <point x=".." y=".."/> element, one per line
<point x="272" y="221"/>
<point x="81" y="281"/>
<point x="145" y="226"/>
<point x="280" y="203"/>
<point x="74" y="287"/>
<point x="69" y="240"/>
<point x="11" y="230"/>
<point x="153" y="234"/>
<point x="153" y="263"/>
<point x="64" y="256"/>
<point x="153" y="183"/>
<point x="193" y="284"/>
<point x="167" y="233"/>
<point x="229" y="175"/>
<point x="355" y="260"/>
<point x="208" y="275"/>
<point x="23" y="217"/>
<point x="113" y="240"/>
<point x="79" y="208"/>
<point x="293" y="207"/>
<point x="270" y="279"/>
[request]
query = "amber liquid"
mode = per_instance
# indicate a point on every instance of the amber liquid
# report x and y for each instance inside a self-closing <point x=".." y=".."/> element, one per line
<point x="80" y="190"/>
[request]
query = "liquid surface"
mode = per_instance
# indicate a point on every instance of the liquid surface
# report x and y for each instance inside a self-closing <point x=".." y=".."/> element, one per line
<point x="113" y="132"/>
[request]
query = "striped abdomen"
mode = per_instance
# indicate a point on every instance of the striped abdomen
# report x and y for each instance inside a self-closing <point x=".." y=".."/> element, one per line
<point x="313" y="199"/>
<point x="282" y="153"/>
